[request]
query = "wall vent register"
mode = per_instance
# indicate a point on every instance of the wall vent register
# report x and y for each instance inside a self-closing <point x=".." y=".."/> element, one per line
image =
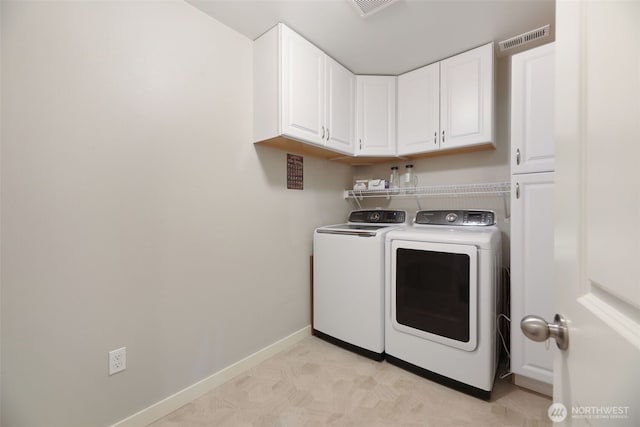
<point x="525" y="38"/>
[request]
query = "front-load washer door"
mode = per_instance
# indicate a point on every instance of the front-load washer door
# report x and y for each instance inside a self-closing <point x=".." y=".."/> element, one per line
<point x="434" y="289"/>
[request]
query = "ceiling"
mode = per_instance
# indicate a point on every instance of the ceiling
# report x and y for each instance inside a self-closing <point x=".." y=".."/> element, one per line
<point x="401" y="37"/>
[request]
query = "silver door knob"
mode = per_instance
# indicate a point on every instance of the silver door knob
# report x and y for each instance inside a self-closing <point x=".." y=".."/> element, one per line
<point x="537" y="329"/>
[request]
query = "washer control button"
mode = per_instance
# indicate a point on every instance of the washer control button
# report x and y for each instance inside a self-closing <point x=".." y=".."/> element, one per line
<point x="451" y="217"/>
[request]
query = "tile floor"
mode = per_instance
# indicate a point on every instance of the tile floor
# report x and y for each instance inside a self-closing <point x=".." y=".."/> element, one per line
<point x="315" y="383"/>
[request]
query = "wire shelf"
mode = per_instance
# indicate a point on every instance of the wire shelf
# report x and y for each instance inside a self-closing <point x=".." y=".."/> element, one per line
<point x="464" y="190"/>
<point x="491" y="189"/>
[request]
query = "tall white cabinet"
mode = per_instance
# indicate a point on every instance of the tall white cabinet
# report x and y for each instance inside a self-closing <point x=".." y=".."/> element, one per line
<point x="532" y="207"/>
<point x="532" y="80"/>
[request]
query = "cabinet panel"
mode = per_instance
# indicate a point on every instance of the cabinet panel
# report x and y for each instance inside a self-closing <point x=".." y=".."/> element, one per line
<point x="466" y="100"/>
<point x="419" y="110"/>
<point x="376" y="115"/>
<point x="532" y="207"/>
<point x="340" y="111"/>
<point x="532" y="110"/>
<point x="266" y="90"/>
<point x="302" y="88"/>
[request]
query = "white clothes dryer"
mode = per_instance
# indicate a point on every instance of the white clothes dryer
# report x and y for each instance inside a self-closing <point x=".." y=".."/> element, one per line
<point x="440" y="291"/>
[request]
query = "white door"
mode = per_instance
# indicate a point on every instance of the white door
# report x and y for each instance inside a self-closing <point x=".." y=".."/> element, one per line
<point x="302" y="88"/>
<point x="376" y="115"/>
<point x="532" y="201"/>
<point x="419" y="110"/>
<point x="466" y="98"/>
<point x="597" y="237"/>
<point x="340" y="107"/>
<point x="532" y="110"/>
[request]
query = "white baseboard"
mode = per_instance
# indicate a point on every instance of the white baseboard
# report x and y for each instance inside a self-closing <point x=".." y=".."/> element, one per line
<point x="181" y="398"/>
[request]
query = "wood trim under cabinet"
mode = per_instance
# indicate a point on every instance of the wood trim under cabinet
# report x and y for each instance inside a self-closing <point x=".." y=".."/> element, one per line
<point x="461" y="150"/>
<point x="294" y="146"/>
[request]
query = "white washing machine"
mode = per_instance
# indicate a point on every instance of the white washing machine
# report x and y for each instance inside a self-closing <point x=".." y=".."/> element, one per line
<point x="441" y="286"/>
<point x="348" y="280"/>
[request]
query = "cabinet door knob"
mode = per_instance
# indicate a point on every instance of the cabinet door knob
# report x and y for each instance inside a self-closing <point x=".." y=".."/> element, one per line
<point x="518" y="156"/>
<point x="517" y="190"/>
<point x="322" y="132"/>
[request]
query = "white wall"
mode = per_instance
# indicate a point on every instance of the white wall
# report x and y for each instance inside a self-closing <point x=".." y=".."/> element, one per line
<point x="136" y="211"/>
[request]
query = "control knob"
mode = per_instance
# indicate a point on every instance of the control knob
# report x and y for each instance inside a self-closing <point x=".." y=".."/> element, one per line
<point x="451" y="217"/>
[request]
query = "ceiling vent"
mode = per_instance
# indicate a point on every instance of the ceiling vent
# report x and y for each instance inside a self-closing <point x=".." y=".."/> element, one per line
<point x="525" y="38"/>
<point x="367" y="7"/>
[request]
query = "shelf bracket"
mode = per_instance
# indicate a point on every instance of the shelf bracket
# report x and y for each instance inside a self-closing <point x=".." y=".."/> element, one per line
<point x="418" y="203"/>
<point x="351" y="195"/>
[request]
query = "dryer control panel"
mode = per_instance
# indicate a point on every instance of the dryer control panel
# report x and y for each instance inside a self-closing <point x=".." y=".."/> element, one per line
<point x="457" y="218"/>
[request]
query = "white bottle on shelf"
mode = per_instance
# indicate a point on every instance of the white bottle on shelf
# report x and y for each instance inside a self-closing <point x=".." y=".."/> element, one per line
<point x="409" y="180"/>
<point x="394" y="179"/>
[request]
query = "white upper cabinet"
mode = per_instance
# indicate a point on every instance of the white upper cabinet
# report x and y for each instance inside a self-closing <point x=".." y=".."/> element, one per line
<point x="449" y="104"/>
<point x="340" y="107"/>
<point x="376" y="116"/>
<point x="303" y="70"/>
<point x="306" y="102"/>
<point x="419" y="110"/>
<point x="301" y="93"/>
<point x="532" y="112"/>
<point x="467" y="98"/>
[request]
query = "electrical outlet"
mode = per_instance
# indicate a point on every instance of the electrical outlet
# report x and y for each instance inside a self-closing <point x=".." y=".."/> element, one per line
<point x="117" y="360"/>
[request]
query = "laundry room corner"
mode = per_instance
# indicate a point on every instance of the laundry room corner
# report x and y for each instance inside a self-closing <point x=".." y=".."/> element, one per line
<point x="491" y="166"/>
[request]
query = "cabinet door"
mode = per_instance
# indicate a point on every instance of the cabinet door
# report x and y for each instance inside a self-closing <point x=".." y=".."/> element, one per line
<point x="340" y="112"/>
<point x="466" y="98"/>
<point x="419" y="110"/>
<point x="532" y="224"/>
<point x="302" y="88"/>
<point x="376" y="115"/>
<point x="532" y="110"/>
